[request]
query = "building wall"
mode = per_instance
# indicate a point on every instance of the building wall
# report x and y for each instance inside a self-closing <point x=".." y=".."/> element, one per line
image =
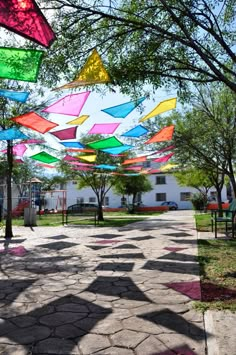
<point x="162" y="184"/>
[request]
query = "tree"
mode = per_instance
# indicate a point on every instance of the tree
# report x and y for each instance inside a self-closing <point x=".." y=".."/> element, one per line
<point x="155" y="42"/>
<point x="202" y="180"/>
<point x="22" y="174"/>
<point x="132" y="186"/>
<point x="10" y="109"/>
<point x="204" y="136"/>
<point x="195" y="178"/>
<point x="100" y="181"/>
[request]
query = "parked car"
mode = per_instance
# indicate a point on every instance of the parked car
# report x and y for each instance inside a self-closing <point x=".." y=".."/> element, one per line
<point x="171" y="204"/>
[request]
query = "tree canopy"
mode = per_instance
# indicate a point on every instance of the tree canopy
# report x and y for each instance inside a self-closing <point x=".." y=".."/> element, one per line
<point x="159" y="43"/>
<point x="132" y="186"/>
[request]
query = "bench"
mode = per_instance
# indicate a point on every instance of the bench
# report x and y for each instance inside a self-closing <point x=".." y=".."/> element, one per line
<point x="79" y="212"/>
<point x="226" y="216"/>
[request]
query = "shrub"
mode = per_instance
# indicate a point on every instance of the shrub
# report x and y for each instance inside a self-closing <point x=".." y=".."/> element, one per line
<point x="199" y="201"/>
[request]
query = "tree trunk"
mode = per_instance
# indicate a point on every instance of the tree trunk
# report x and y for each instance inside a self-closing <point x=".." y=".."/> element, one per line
<point x="8" y="230"/>
<point x="233" y="184"/>
<point x="219" y="201"/>
<point x="100" y="213"/>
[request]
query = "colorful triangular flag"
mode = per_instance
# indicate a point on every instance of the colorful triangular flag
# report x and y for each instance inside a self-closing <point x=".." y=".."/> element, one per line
<point x="34" y="121"/>
<point x="162" y="107"/>
<point x="136" y="132"/>
<point x="79" y="120"/>
<point x="44" y="157"/>
<point x="68" y="133"/>
<point x="20" y="64"/>
<point x="103" y="128"/>
<point x="25" y="18"/>
<point x="70" y="105"/>
<point x="121" y="111"/>
<point x="15" y="95"/>
<point x="11" y="133"/>
<point x="93" y="72"/>
<point x="165" y="134"/>
<point x="163" y="159"/>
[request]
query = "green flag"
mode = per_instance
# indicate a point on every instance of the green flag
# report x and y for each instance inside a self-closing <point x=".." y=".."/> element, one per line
<point x="20" y="64"/>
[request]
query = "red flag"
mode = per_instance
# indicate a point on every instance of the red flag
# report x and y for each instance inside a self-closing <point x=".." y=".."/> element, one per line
<point x="25" y="18"/>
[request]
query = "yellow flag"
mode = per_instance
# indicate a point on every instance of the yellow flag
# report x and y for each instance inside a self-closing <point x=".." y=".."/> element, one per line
<point x="88" y="158"/>
<point x="162" y="107"/>
<point x="168" y="167"/>
<point x="93" y="72"/>
<point x="79" y="120"/>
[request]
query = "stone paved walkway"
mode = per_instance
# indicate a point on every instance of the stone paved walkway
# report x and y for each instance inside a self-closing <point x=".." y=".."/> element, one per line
<point x="87" y="290"/>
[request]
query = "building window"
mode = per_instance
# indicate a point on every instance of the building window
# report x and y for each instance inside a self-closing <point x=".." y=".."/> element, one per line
<point x="185" y="196"/>
<point x="161" y="197"/>
<point x="106" y="201"/>
<point x="160" y="180"/>
<point x="80" y="200"/>
<point x="147" y="164"/>
<point x="92" y="199"/>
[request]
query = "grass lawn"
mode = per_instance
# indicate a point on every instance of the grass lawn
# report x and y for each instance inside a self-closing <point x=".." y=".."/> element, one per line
<point x="217" y="260"/>
<point x="203" y="222"/>
<point x="54" y="220"/>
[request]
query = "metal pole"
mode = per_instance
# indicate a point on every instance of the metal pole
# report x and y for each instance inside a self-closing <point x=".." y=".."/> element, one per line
<point x="30" y="205"/>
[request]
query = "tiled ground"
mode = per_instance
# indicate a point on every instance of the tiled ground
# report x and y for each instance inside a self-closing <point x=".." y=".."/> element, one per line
<point x="102" y="290"/>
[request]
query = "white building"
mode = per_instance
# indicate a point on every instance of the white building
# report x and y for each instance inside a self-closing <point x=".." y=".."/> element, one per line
<point x="165" y="188"/>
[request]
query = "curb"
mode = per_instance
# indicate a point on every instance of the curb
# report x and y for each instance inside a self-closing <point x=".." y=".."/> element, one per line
<point x="220" y="332"/>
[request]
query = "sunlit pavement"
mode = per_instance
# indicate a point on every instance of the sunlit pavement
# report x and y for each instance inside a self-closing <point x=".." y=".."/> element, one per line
<point x="88" y="290"/>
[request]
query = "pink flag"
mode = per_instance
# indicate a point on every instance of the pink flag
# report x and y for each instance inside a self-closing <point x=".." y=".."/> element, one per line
<point x="70" y="105"/>
<point x="103" y="128"/>
<point x="163" y="159"/>
<point x="18" y="149"/>
<point x="69" y="158"/>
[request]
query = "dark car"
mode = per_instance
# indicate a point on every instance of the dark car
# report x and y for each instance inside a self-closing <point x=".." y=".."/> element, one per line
<point x="171" y="204"/>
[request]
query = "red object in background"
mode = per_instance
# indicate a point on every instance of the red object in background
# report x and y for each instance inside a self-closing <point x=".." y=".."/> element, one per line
<point x="19" y="209"/>
<point x="25" y="18"/>
<point x="215" y="206"/>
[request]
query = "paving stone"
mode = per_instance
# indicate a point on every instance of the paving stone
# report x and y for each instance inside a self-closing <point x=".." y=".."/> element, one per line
<point x="24" y="321"/>
<point x="107" y="326"/>
<point x="88" y="296"/>
<point x="120" y="313"/>
<point x="92" y="343"/>
<point x="60" y="318"/>
<point x="138" y="324"/>
<point x="123" y="303"/>
<point x="13" y="350"/>
<point x="29" y="335"/>
<point x="128" y="338"/>
<point x="50" y="294"/>
<point x="87" y="324"/>
<point x="6" y="327"/>
<point x="68" y="331"/>
<point x="115" y="351"/>
<point x="150" y="346"/>
<point x="54" y="287"/>
<point x="73" y="307"/>
<point x="177" y="340"/>
<point x="56" y="346"/>
<point x="107" y="298"/>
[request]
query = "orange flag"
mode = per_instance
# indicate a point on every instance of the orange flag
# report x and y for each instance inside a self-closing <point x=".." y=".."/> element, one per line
<point x="165" y="134"/>
<point x="134" y="160"/>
